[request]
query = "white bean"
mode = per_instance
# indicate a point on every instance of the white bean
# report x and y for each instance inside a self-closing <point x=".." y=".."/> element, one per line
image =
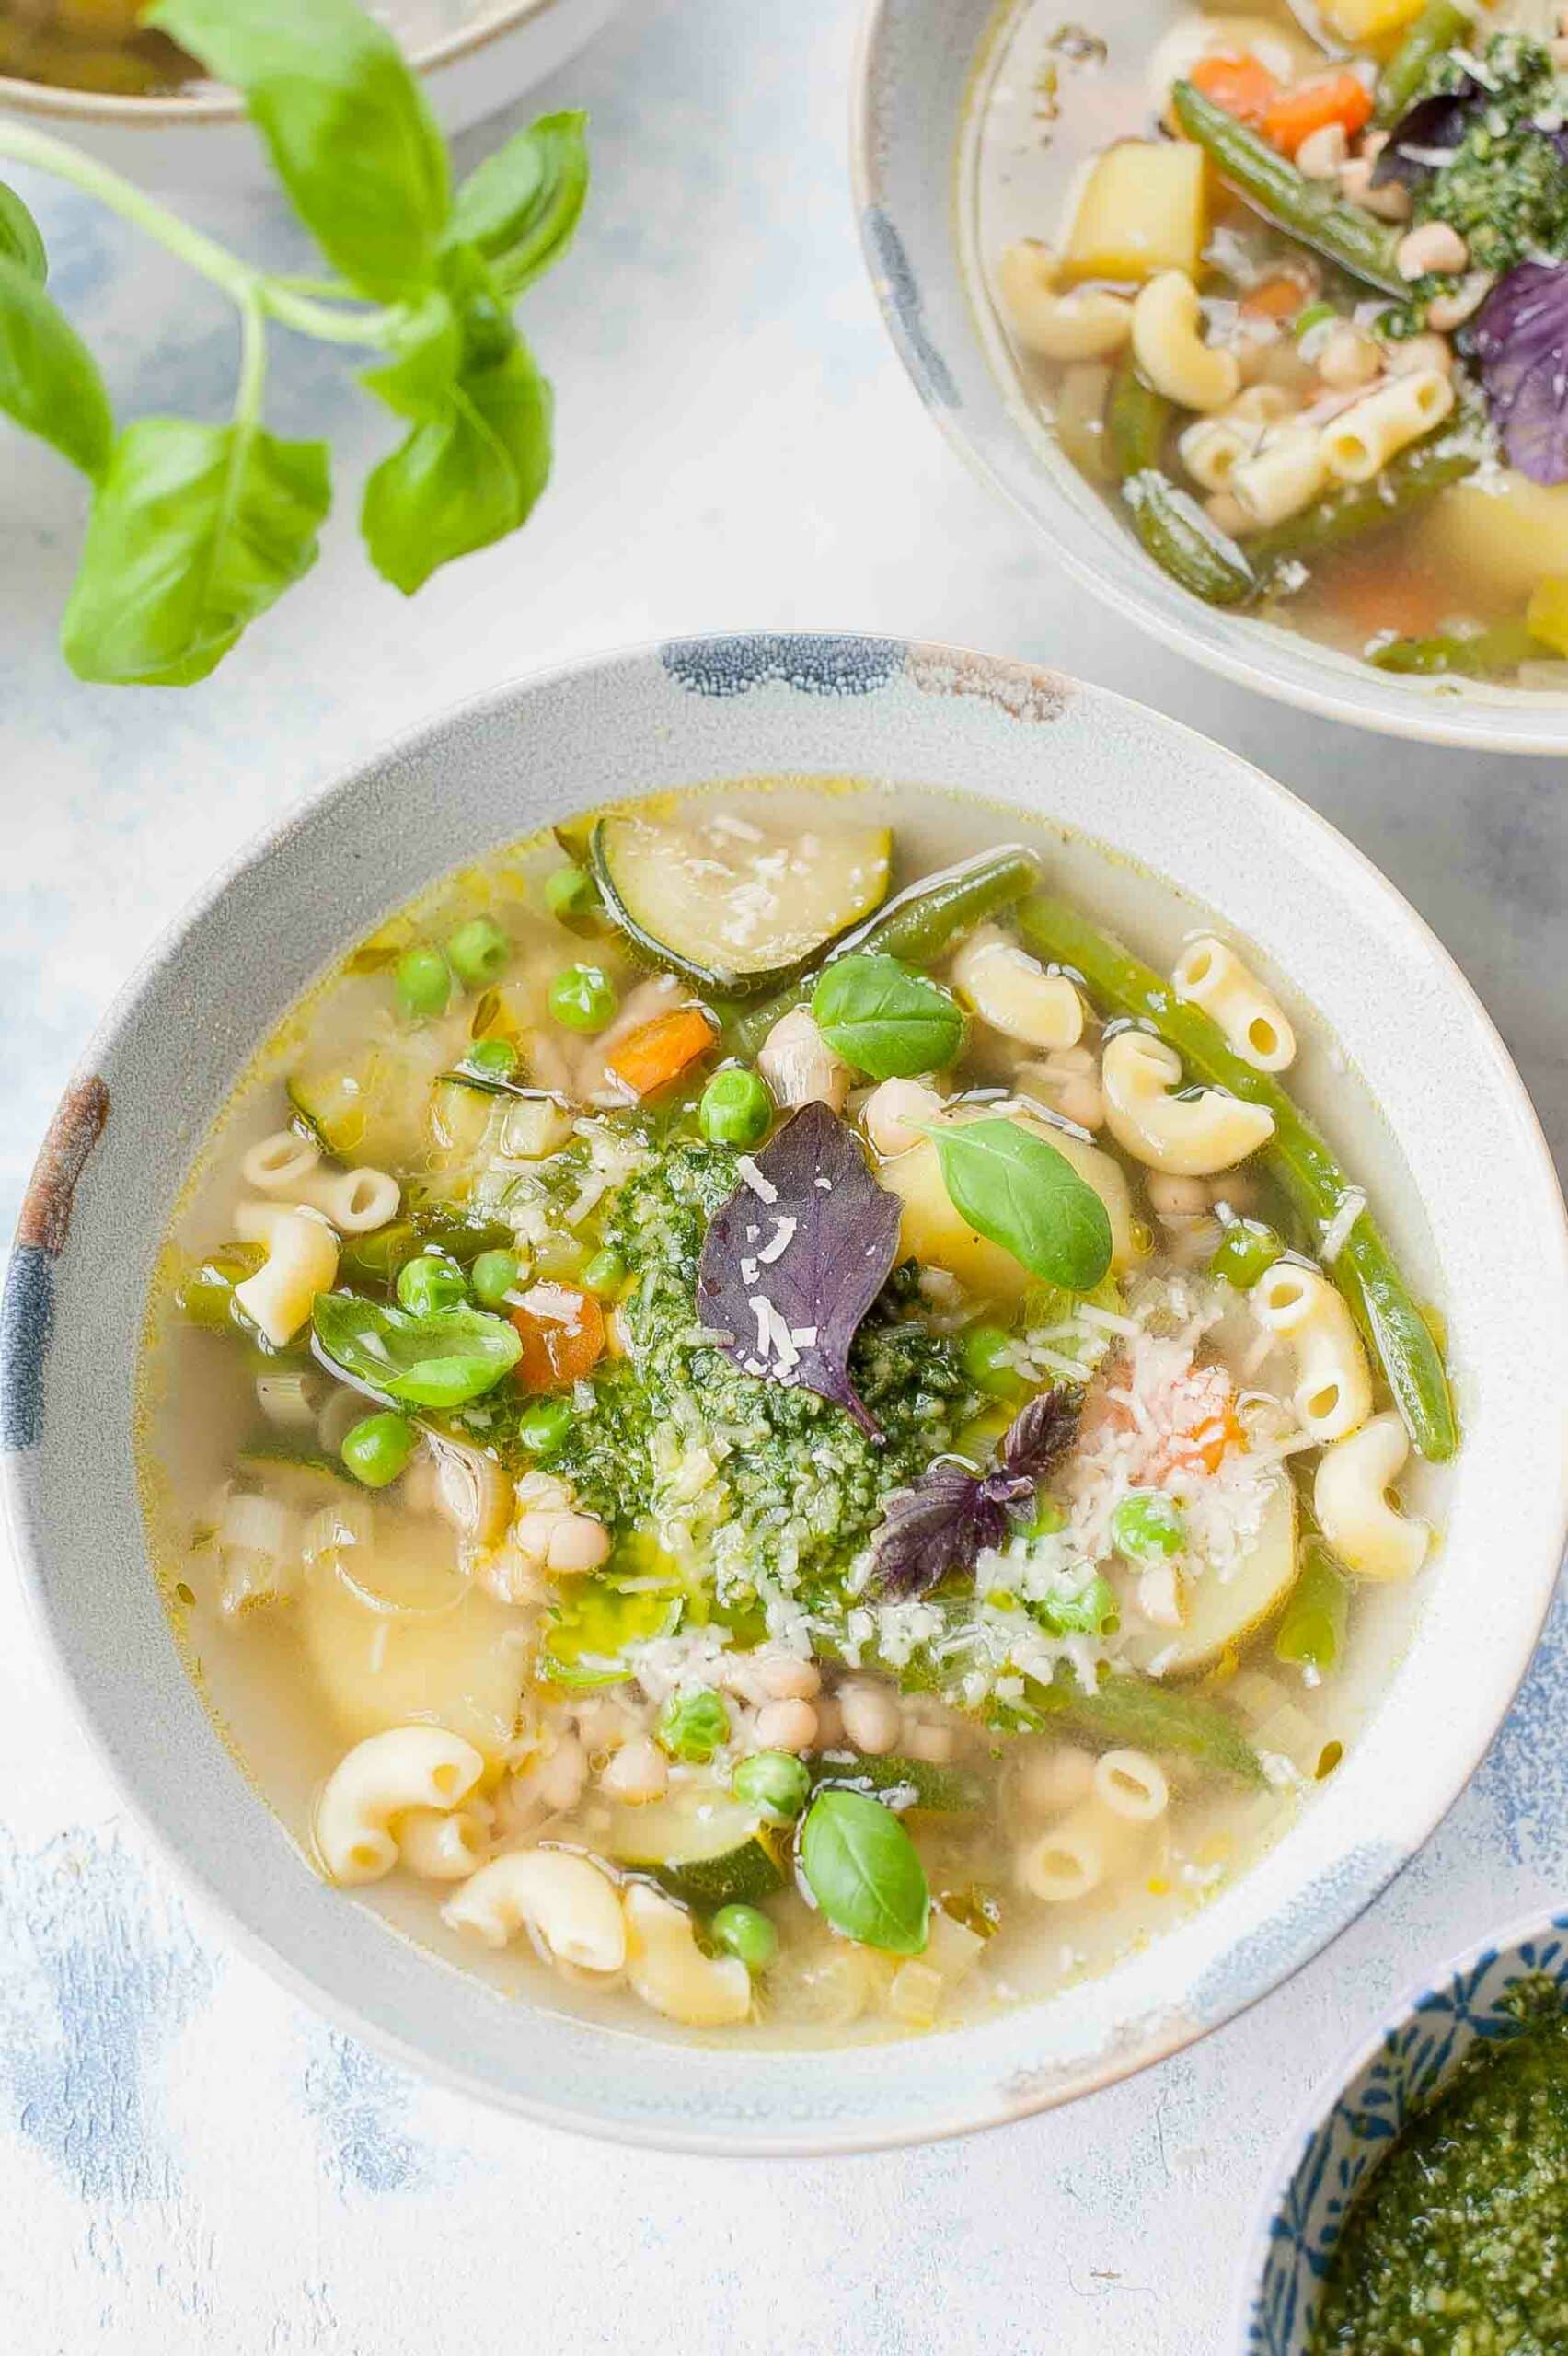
<point x="871" y="1718"/>
<point x="638" y="1773"/>
<point x="786" y="1725"/>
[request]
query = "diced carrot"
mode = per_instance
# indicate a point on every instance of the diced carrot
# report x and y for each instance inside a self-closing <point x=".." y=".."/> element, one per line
<point x="1274" y="298"/>
<point x="1238" y="82"/>
<point x="1386" y="593"/>
<point x="1294" y="115"/>
<point x="562" y="1333"/>
<point x="658" y="1052"/>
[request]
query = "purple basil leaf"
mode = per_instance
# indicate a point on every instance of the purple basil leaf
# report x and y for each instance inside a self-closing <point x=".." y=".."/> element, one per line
<point x="1041" y="1434"/>
<point x="950" y="1517"/>
<point x="1520" y="341"/>
<point x="1433" y="126"/>
<point x="791" y="1265"/>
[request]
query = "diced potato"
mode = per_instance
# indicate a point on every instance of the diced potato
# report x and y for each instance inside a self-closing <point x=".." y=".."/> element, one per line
<point x="1369" y="20"/>
<point x="1496" y="540"/>
<point x="436" y="1652"/>
<point x="935" y="1232"/>
<point x="1144" y="209"/>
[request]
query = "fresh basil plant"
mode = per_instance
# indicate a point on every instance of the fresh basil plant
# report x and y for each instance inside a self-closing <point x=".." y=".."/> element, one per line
<point x="865" y="1872"/>
<point x="1018" y="1192"/>
<point x="885" y="1020"/>
<point x="197" y="529"/>
<point x="440" y="1359"/>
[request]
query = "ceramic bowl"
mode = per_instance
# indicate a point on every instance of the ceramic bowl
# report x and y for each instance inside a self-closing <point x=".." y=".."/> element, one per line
<point x="1353" y="2122"/>
<point x="1163" y="803"/>
<point x="472" y="56"/>
<point x="925" y="69"/>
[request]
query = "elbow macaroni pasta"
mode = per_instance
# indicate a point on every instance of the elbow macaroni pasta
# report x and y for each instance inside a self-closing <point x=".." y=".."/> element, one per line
<point x="669" y="1970"/>
<point x="288" y="1169"/>
<point x="1012" y="992"/>
<point x="403" y="1767"/>
<point x="1285" y="475"/>
<point x="302" y="1260"/>
<point x="440" y="1847"/>
<point x="1170" y="349"/>
<point x="1332" y="1393"/>
<point x="1191" y="1137"/>
<point x="1091" y="324"/>
<point x="1360" y="444"/>
<point x="1254" y="1023"/>
<point x="1350" y="1498"/>
<point x="570" y="1906"/>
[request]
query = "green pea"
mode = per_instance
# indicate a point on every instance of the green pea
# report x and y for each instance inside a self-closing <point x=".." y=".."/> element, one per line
<point x="377" y="1449"/>
<point x="427" y="1286"/>
<point x="479" y="952"/>
<point x="571" y="892"/>
<point x="773" y="1781"/>
<point x="493" y="1275"/>
<point x="1147" y="1524"/>
<point x="497" y="1059"/>
<point x="604" y="1272"/>
<point x="736" y="1108"/>
<point x="693" y="1725"/>
<point x="745" y="1931"/>
<point x="985" y="1355"/>
<point x="582" y="998"/>
<point x="424" y="982"/>
<point x="1246" y="1251"/>
<point x="543" y="1426"/>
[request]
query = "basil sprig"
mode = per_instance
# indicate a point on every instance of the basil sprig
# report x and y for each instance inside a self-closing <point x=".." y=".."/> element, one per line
<point x="198" y="529"/>
<point x="885" y="1020"/>
<point x="1018" y="1192"/>
<point x="443" y="1359"/>
<point x="865" y="1872"/>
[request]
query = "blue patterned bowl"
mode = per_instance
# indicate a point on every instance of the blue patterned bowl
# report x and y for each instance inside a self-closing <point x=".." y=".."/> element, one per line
<point x="1162" y="802"/>
<point x="1330" y="2156"/>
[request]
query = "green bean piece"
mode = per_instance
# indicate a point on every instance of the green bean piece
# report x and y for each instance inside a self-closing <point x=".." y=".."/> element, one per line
<point x="1441" y="25"/>
<point x="1311" y="1633"/>
<point x="918" y="925"/>
<point x="1183" y="543"/>
<point x="1155" y="1717"/>
<point x="1302" y="208"/>
<point x="1478" y="654"/>
<point x="1363" y="1268"/>
<point x="1137" y="422"/>
<point x="1246" y="1251"/>
<point x="1408" y="482"/>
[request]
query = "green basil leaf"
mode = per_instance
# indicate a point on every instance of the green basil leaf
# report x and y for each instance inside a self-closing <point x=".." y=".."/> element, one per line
<point x="49" y="380"/>
<point x="21" y="240"/>
<point x="865" y="1872"/>
<point x="885" y="1020"/>
<point x="441" y="1360"/>
<point x="521" y="208"/>
<point x="465" y="476"/>
<point x="1020" y="1193"/>
<point x="345" y="122"/>
<point x="195" y="530"/>
<point x="426" y="358"/>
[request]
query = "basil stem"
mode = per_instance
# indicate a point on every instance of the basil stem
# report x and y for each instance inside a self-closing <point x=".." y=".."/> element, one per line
<point x="916" y="927"/>
<point x="1363" y="1269"/>
<point x="1302" y="208"/>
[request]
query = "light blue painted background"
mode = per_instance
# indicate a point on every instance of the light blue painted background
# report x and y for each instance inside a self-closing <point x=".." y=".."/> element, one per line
<point x="190" y="2163"/>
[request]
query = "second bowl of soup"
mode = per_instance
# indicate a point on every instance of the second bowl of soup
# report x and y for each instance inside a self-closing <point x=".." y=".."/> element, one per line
<point x="797" y="1407"/>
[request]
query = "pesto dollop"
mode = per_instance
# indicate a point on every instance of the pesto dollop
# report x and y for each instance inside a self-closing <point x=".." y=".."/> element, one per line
<point x="1457" y="2246"/>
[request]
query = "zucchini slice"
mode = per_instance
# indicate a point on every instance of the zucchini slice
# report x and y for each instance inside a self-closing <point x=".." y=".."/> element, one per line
<point x="733" y="905"/>
<point x="710" y="1851"/>
<point x="906" y="1785"/>
<point x="1224" y="1612"/>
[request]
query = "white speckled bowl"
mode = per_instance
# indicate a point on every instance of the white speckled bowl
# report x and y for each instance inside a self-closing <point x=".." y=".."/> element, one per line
<point x="472" y="56"/>
<point x="1159" y="799"/>
<point x="923" y="67"/>
<point x="1352" y="2121"/>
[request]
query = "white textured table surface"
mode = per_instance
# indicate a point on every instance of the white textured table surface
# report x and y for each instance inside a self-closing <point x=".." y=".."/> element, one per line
<point x="188" y="2161"/>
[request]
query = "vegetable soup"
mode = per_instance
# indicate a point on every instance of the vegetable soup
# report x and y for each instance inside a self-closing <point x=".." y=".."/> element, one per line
<point x="748" y="1411"/>
<point x="1290" y="287"/>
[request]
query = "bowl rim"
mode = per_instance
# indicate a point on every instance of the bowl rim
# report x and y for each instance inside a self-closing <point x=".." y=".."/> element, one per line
<point x="1456" y="722"/>
<point x="1329" y="2092"/>
<point x="55" y="103"/>
<point x="985" y="2107"/>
